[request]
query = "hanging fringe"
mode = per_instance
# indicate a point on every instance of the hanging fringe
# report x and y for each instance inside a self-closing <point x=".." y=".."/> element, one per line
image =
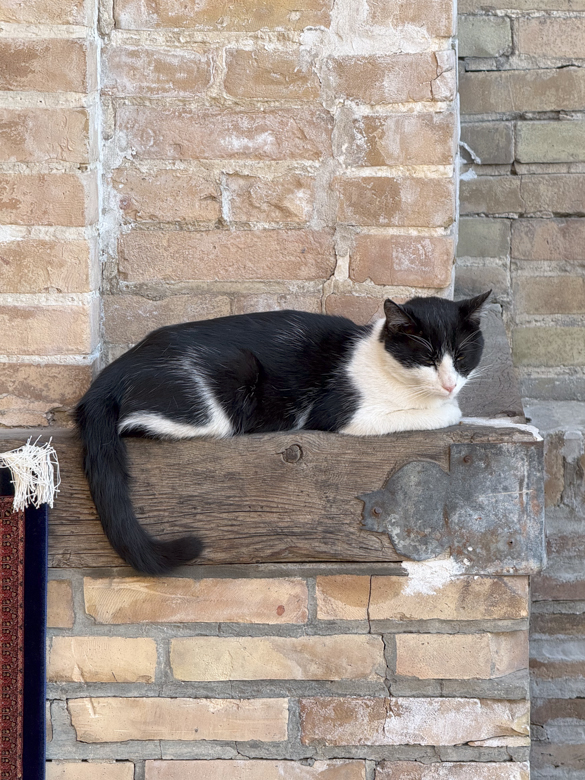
<point x="35" y="474"/>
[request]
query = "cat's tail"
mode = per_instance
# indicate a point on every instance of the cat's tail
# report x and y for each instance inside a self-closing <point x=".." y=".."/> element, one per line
<point x="105" y="462"/>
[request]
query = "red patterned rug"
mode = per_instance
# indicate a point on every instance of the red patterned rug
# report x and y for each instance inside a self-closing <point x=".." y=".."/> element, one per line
<point x="12" y="614"/>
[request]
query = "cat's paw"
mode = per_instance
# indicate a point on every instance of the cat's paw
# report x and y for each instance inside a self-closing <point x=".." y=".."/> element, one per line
<point x="452" y="415"/>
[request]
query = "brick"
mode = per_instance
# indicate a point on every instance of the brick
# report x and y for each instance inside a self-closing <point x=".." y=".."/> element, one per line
<point x="44" y="134"/>
<point x="53" y="65"/>
<point x="395" y="78"/>
<point x="267" y="301"/>
<point x="226" y="255"/>
<point x="557" y="670"/>
<point x="156" y="72"/>
<point x="492" y="142"/>
<point x="492" y="195"/>
<point x="129" y="318"/>
<point x="554" y="469"/>
<point x="43" y="11"/>
<point x="473" y="280"/>
<point x="166" y="196"/>
<point x="461" y="656"/>
<point x="176" y="600"/>
<point x="246" y="15"/>
<point x="349" y="657"/>
<point x="460" y="598"/>
<point x="403" y="139"/>
<point x="480" y="237"/>
<point x="343" y="597"/>
<point x="254" y="770"/>
<point x="409" y="721"/>
<point x="269" y="75"/>
<point x="286" y="198"/>
<point x="402" y="260"/>
<point x="550" y="142"/>
<point x="359" y="308"/>
<point x="408" y="770"/>
<point x="59" y="385"/>
<point x="522" y="90"/>
<point x="49" y="330"/>
<point x="548" y="239"/>
<point x="560" y="193"/>
<point x="122" y="719"/>
<point x="550" y="294"/>
<point x="555" y="757"/>
<point x="39" y="265"/>
<point x="48" y="199"/>
<point x="386" y="201"/>
<point x="206" y="133"/>
<point x="552" y="346"/>
<point x="567" y="624"/>
<point x="550" y="37"/>
<point x="101" y="659"/>
<point x="60" y="612"/>
<point x="94" y="770"/>
<point x="484" y="36"/>
<point x="469" y="6"/>
<point x="436" y="19"/>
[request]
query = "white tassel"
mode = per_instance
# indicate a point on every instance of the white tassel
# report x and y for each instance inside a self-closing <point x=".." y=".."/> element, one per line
<point x="35" y="474"/>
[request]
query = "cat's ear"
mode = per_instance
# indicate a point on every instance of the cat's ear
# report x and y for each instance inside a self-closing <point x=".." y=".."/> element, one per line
<point x="396" y="317"/>
<point x="471" y="308"/>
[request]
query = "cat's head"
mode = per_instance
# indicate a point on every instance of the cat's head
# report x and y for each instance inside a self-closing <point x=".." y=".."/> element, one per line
<point x="436" y="343"/>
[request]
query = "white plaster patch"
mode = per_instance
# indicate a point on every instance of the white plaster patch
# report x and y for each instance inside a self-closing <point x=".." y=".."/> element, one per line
<point x="497" y="422"/>
<point x="428" y="577"/>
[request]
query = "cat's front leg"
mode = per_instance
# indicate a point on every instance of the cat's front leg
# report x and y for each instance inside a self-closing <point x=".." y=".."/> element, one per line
<point x="373" y="424"/>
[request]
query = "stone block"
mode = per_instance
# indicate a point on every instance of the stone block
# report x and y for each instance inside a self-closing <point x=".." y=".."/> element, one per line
<point x="269" y="75"/>
<point x="48" y="199"/>
<point x="45" y="135"/>
<point x="484" y="36"/>
<point x="255" y="770"/>
<point x="49" y="65"/>
<point x="179" y="600"/>
<point x="412" y="261"/>
<point x="343" y="597"/>
<point x="492" y="142"/>
<point x="49" y="330"/>
<point x="287" y="198"/>
<point x="481" y="237"/>
<point x="90" y="770"/>
<point x="550" y="294"/>
<point x="492" y="195"/>
<point x="359" y="308"/>
<point x="60" y="613"/>
<point x="101" y="659"/>
<point x="435" y="19"/>
<point x="548" y="239"/>
<point x="408" y="770"/>
<point x="45" y="265"/>
<point x="546" y="36"/>
<point x="550" y="142"/>
<point x="43" y="11"/>
<point x="553" y="346"/>
<point x="555" y="193"/>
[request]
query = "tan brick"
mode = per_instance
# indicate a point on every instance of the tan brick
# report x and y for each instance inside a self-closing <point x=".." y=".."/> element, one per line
<point x="175" y="600"/>
<point x="395" y="78"/>
<point x="492" y="195"/>
<point x="48" y="199"/>
<point x="550" y="294"/>
<point x="60" y="612"/>
<point x="166" y="196"/>
<point x="269" y="75"/>
<point x="409" y="770"/>
<point x="123" y="719"/>
<point x="49" y="330"/>
<point x="225" y="255"/>
<point x="403" y="139"/>
<point x="385" y="201"/>
<point x="549" y="37"/>
<point x="522" y="90"/>
<point x="550" y="141"/>
<point x="409" y="721"/>
<point x="128" y="318"/>
<point x="548" y="239"/>
<point x="359" y="308"/>
<point x="101" y="659"/>
<point x="44" y="134"/>
<point x="343" y="597"/>
<point x="554" y="192"/>
<point x="23" y="413"/>
<point x="185" y="133"/>
<point x="460" y="598"/>
<point x="436" y="18"/>
<point x="52" y="65"/>
<point x="56" y="384"/>
<point x="43" y="11"/>
<point x="210" y="14"/>
<point x="140" y="70"/>
<point x="94" y="770"/>
<point x="552" y="346"/>
<point x="37" y="265"/>
<point x="254" y="770"/>
<point x="461" y="656"/>
<point x="349" y="657"/>
<point x="402" y="260"/>
<point x="491" y="142"/>
<point x="283" y="199"/>
<point x="484" y="36"/>
<point x="268" y="301"/>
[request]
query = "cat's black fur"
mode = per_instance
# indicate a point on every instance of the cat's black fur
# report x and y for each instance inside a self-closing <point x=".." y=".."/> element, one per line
<point x="272" y="371"/>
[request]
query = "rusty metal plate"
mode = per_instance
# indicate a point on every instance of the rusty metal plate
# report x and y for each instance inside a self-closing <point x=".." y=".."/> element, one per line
<point x="488" y="511"/>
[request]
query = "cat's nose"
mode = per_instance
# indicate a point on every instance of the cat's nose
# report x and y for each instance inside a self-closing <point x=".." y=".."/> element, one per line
<point x="449" y="386"/>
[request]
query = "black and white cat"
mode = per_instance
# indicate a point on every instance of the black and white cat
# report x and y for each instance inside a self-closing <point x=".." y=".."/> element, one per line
<point x="274" y="371"/>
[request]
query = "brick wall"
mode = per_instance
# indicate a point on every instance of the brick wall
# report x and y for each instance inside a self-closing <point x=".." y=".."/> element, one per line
<point x="300" y="672"/>
<point x="522" y="88"/>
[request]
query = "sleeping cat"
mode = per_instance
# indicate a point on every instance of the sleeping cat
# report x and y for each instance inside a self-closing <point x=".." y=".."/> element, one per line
<point x="274" y="371"/>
